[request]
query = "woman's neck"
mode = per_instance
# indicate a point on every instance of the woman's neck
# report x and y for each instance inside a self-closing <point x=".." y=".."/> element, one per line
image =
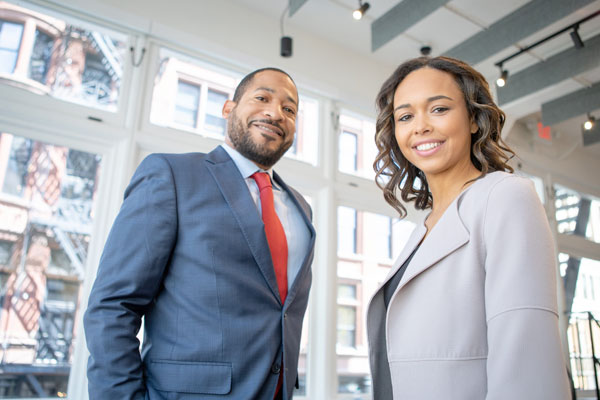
<point x="445" y="187"/>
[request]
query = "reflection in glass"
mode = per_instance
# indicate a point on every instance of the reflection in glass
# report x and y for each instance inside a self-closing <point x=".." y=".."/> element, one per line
<point x="44" y="239"/>
<point x="348" y="152"/>
<point x="577" y="214"/>
<point x="381" y="238"/>
<point x="62" y="60"/>
<point x="40" y="57"/>
<point x="186" y="104"/>
<point x="214" y="106"/>
<point x="10" y="40"/>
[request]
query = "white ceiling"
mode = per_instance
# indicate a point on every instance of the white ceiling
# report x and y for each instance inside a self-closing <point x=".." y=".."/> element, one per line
<point x="445" y="28"/>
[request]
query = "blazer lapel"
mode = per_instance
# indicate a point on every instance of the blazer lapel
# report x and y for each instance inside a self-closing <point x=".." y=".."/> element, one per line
<point x="236" y="193"/>
<point x="304" y="268"/>
<point x="447" y="235"/>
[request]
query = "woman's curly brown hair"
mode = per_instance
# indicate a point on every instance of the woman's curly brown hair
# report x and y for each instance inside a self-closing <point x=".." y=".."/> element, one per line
<point x="488" y="151"/>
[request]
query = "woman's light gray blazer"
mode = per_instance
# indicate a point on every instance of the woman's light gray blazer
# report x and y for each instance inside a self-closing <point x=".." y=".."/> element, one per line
<point x="475" y="314"/>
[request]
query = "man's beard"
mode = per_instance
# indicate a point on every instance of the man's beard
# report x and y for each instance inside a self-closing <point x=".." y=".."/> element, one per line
<point x="241" y="139"/>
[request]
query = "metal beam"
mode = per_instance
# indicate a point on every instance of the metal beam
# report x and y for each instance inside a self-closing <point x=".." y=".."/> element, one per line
<point x="295" y="5"/>
<point x="557" y="68"/>
<point x="519" y="24"/>
<point x="401" y="17"/>
<point x="571" y="105"/>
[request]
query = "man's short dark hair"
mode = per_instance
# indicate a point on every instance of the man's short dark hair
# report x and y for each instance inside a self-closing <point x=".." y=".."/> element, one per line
<point x="245" y="82"/>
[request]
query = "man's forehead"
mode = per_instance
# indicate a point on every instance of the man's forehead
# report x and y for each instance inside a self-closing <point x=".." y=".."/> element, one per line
<point x="273" y="82"/>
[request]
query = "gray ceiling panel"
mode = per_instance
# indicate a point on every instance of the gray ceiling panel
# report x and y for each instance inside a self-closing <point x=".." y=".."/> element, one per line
<point x="571" y="105"/>
<point x="295" y="5"/>
<point x="555" y="69"/>
<point x="401" y="17"/>
<point x="519" y="24"/>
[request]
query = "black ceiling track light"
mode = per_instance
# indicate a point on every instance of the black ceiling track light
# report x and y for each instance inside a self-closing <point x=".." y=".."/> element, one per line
<point x="285" y="44"/>
<point x="361" y="10"/>
<point x="577" y="42"/>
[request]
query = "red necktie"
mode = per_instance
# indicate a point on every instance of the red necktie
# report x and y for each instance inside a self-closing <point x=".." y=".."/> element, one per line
<point x="274" y="231"/>
<point x="277" y="242"/>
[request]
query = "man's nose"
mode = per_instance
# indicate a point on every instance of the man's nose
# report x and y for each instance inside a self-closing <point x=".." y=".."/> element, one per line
<point x="273" y="111"/>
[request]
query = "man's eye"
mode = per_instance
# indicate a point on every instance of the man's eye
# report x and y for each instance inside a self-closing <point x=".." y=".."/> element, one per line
<point x="290" y="110"/>
<point x="260" y="98"/>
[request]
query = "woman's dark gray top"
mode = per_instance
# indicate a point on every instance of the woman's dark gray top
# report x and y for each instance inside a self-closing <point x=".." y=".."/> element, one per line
<point x="392" y="284"/>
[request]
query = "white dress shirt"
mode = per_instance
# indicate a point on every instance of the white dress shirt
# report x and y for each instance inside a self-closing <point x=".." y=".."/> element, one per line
<point x="296" y="230"/>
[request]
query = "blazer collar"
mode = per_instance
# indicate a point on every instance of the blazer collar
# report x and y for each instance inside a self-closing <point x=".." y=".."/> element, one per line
<point x="235" y="191"/>
<point x="236" y="194"/>
<point x="448" y="235"/>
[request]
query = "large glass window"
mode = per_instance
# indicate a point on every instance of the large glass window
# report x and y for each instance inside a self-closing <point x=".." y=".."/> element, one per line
<point x="356" y="145"/>
<point x="187" y="102"/>
<point x="577" y="214"/>
<point x="367" y="244"/>
<point x="61" y="59"/>
<point x="44" y="238"/>
<point x="10" y="41"/>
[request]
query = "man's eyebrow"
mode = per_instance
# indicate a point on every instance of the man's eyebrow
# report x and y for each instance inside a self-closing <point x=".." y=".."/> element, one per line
<point x="429" y="100"/>
<point x="270" y="90"/>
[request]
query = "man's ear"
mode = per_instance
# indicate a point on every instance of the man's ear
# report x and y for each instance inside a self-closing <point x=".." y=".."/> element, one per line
<point x="227" y="107"/>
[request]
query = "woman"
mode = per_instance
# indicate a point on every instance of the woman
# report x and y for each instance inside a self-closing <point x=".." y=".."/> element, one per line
<point x="469" y="310"/>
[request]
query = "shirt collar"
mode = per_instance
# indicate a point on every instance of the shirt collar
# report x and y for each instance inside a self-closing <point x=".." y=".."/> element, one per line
<point x="245" y="166"/>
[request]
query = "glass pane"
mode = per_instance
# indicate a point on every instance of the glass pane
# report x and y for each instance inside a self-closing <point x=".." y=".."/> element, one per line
<point x="348" y="152"/>
<point x="177" y="97"/>
<point x="586" y="299"/>
<point x="10" y="35"/>
<point x="577" y="214"/>
<point x="44" y="238"/>
<point x="346" y="292"/>
<point x="214" y="107"/>
<point x="186" y="104"/>
<point x="10" y="41"/>
<point x="306" y="146"/>
<point x="40" y="57"/>
<point x="359" y="275"/>
<point x="356" y="154"/>
<point x="347" y="230"/>
<point x="70" y="62"/>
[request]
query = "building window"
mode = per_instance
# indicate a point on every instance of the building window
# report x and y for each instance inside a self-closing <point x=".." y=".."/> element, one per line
<point x="16" y="172"/>
<point x="213" y="119"/>
<point x="10" y="41"/>
<point x="40" y="57"/>
<point x="346" y="326"/>
<point x="62" y="60"/>
<point x="347" y="230"/>
<point x="186" y="104"/>
<point x="41" y="285"/>
<point x="577" y="214"/>
<point x="357" y="150"/>
<point x="348" y="152"/>
<point x="6" y="251"/>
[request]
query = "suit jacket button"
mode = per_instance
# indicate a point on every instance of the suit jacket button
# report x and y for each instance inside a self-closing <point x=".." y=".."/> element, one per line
<point x="276" y="368"/>
<point x="285" y="316"/>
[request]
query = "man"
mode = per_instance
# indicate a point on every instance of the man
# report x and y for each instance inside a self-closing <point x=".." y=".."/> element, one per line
<point x="219" y="269"/>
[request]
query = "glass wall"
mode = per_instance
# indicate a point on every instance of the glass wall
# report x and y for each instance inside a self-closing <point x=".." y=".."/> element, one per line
<point x="60" y="58"/>
<point x="368" y="243"/>
<point x="46" y="217"/>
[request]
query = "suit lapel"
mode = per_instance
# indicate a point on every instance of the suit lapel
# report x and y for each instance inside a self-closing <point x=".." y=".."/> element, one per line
<point x="236" y="194"/>
<point x="304" y="268"/>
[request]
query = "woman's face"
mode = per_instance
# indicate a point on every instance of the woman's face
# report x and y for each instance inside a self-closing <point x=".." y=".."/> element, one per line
<point x="432" y="124"/>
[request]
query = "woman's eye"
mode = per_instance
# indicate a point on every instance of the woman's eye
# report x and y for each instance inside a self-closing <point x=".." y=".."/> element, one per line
<point x="405" y="118"/>
<point x="440" y="109"/>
